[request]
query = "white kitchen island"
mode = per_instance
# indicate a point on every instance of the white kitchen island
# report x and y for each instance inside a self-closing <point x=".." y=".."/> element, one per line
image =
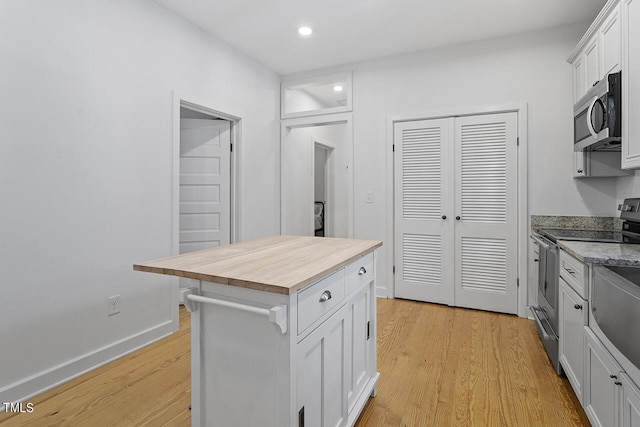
<point x="283" y="330"/>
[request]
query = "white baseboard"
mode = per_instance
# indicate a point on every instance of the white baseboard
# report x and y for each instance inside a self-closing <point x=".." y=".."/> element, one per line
<point x="36" y="384"/>
<point x="381" y="292"/>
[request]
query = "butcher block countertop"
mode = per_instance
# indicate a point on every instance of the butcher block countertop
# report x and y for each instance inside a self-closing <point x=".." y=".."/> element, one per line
<point x="277" y="264"/>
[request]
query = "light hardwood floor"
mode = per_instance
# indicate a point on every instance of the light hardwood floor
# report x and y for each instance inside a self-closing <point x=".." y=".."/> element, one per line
<point x="439" y="366"/>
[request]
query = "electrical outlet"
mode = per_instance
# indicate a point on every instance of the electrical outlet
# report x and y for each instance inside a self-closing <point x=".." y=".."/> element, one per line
<point x="113" y="305"/>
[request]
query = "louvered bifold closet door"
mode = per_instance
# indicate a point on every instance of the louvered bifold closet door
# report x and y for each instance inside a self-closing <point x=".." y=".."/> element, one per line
<point x="423" y="195"/>
<point x="486" y="203"/>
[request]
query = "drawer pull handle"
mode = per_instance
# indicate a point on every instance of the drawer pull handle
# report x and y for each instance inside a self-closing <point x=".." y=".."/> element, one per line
<point x="614" y="376"/>
<point x="577" y="307"/>
<point x="362" y="271"/>
<point x="570" y="271"/>
<point x="617" y="383"/>
<point x="326" y="296"/>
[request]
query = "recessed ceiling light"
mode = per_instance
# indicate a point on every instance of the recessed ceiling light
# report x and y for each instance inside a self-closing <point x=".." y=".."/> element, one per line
<point x="305" y="31"/>
<point x="338" y="88"/>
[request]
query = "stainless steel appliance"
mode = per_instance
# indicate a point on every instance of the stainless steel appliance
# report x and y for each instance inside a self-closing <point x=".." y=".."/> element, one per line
<point x="597" y="117"/>
<point x="614" y="315"/>
<point x="546" y="312"/>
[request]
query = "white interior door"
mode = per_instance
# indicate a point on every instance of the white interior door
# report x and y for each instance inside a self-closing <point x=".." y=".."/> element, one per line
<point x="423" y="208"/>
<point x="205" y="180"/>
<point x="486" y="203"/>
<point x="455" y="208"/>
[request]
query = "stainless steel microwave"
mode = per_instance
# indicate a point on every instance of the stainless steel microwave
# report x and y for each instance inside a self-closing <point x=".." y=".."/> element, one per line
<point x="597" y="118"/>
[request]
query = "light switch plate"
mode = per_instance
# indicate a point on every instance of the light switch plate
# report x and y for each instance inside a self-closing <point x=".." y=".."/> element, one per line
<point x="368" y="196"/>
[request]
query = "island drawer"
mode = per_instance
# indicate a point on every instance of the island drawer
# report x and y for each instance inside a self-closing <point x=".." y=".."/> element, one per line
<point x="574" y="272"/>
<point x="319" y="298"/>
<point x="359" y="272"/>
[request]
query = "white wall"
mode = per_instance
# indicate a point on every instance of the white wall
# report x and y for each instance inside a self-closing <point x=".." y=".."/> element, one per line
<point x="85" y="173"/>
<point x="529" y="69"/>
<point x="628" y="186"/>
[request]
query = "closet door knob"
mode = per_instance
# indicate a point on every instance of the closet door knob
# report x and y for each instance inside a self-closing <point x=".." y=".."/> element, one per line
<point x="444" y="217"/>
<point x="458" y="218"/>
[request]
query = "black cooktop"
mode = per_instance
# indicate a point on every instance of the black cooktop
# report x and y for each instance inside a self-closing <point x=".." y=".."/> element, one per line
<point x="605" y="236"/>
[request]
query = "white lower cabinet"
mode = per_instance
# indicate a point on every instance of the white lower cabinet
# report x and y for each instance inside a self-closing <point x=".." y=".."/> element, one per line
<point x="573" y="319"/>
<point x="246" y="372"/>
<point x="611" y="398"/>
<point x="630" y="402"/>
<point x="361" y="360"/>
<point x="334" y="365"/>
<point x="321" y="367"/>
<point x="600" y="388"/>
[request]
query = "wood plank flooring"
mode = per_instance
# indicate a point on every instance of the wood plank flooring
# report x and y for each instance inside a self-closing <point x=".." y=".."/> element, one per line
<point x="440" y="366"/>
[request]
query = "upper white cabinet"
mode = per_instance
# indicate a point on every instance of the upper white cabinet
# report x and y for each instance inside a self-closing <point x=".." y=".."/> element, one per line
<point x="593" y="66"/>
<point x="609" y="39"/>
<point x="630" y="62"/>
<point x="598" y="52"/>
<point x="597" y="164"/>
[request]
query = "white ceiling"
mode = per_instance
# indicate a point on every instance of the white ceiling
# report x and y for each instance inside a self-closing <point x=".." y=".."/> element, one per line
<point x="348" y="31"/>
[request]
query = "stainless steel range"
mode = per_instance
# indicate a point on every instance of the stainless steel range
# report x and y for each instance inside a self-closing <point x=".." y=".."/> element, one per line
<point x="546" y="312"/>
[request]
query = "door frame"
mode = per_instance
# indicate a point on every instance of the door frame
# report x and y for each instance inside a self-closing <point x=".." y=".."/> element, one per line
<point x="523" y="178"/>
<point x="327" y="147"/>
<point x="331" y="119"/>
<point x="235" y="120"/>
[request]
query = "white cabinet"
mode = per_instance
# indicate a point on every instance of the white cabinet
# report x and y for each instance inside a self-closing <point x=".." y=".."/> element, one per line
<point x="592" y="62"/>
<point x="321" y="357"/>
<point x="361" y="361"/>
<point x="573" y="318"/>
<point x="630" y="14"/>
<point x="630" y="402"/>
<point x="609" y="39"/>
<point x="575" y="273"/>
<point x="598" y="164"/>
<point x="336" y="363"/>
<point x="320" y="372"/>
<point x="611" y="397"/>
<point x="598" y="53"/>
<point x="600" y="388"/>
<point x="579" y="78"/>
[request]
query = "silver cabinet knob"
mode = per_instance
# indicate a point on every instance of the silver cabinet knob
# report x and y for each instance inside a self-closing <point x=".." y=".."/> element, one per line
<point x="326" y="296"/>
<point x="362" y="271"/>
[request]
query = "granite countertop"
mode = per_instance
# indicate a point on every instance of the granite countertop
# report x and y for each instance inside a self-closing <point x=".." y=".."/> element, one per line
<point x="603" y="253"/>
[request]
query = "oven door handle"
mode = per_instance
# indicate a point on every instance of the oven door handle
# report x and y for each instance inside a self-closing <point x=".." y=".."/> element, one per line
<point x="539" y="241"/>
<point x="541" y="327"/>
